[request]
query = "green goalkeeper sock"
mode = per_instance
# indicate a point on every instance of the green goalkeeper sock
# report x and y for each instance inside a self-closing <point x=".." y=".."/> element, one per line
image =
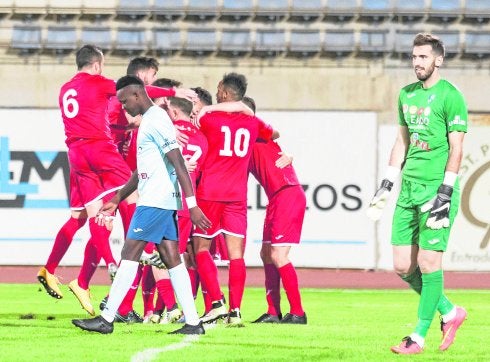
<point x="415" y="281"/>
<point x="432" y="286"/>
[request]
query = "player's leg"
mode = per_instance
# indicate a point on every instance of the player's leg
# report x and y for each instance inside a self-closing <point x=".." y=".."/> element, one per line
<point x="169" y="252"/>
<point x="289" y="277"/>
<point x="62" y="242"/>
<point x="148" y="288"/>
<point x="166" y="291"/>
<point x="272" y="287"/>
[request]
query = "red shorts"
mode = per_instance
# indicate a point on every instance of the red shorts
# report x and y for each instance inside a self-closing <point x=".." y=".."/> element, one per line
<point x="75" y="197"/>
<point x="226" y="217"/>
<point x="218" y="249"/>
<point x="185" y="230"/>
<point x="98" y="169"/>
<point x="284" y="216"/>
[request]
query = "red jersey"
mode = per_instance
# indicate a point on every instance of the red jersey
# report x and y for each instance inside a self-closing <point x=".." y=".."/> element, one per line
<point x="231" y="137"/>
<point x="263" y="166"/>
<point x="83" y="102"/>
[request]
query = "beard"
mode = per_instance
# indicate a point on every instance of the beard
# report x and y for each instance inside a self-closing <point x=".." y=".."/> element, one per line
<point x="426" y="73"/>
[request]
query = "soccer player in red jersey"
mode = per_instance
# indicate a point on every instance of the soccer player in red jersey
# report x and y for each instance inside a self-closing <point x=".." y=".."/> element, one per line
<point x="222" y="194"/>
<point x="282" y="227"/>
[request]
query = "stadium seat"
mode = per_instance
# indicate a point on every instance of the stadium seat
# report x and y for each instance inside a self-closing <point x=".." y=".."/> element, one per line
<point x="373" y="42"/>
<point x="409" y="11"/>
<point x="306" y="10"/>
<point x="269" y="43"/>
<point x="404" y="42"/>
<point x="271" y="10"/>
<point x="166" y="41"/>
<point x="341" y="10"/>
<point x="26" y="39"/>
<point x="98" y="36"/>
<point x="97" y="10"/>
<point x="169" y="10"/>
<point x="63" y="10"/>
<point x="477" y="44"/>
<point x="375" y="10"/>
<point x="130" y="41"/>
<point x="339" y="43"/>
<point x="477" y="10"/>
<point x="444" y="11"/>
<point x="200" y="42"/>
<point x="237" y="10"/>
<point x="61" y="40"/>
<point x="202" y="10"/>
<point x="451" y="40"/>
<point x="29" y="10"/>
<point x="133" y="10"/>
<point x="304" y="43"/>
<point x="235" y="42"/>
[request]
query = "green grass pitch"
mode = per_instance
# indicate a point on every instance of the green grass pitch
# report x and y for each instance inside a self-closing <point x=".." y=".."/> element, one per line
<point x="343" y="325"/>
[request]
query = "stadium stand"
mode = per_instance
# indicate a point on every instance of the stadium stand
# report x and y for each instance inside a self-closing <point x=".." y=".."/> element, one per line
<point x="237" y="10"/>
<point x="235" y="43"/>
<point x="130" y="42"/>
<point x="269" y="43"/>
<point x="59" y="40"/>
<point x="338" y="10"/>
<point x="202" y="10"/>
<point x="133" y="10"/>
<point x="26" y="39"/>
<point x="306" y="10"/>
<point x="168" y="10"/>
<point x="374" y="42"/>
<point x="409" y="11"/>
<point x="477" y="10"/>
<point x="200" y="42"/>
<point x="304" y="43"/>
<point x="477" y="44"/>
<point x="98" y="36"/>
<point x="376" y="10"/>
<point x="339" y="43"/>
<point x="445" y="11"/>
<point x="271" y="10"/>
<point x="166" y="41"/>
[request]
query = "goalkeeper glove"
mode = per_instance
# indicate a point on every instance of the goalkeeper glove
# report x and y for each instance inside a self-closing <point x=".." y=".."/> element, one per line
<point x="378" y="202"/>
<point x="439" y="208"/>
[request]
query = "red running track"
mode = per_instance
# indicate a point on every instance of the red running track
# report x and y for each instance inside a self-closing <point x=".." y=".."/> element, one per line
<point x="308" y="278"/>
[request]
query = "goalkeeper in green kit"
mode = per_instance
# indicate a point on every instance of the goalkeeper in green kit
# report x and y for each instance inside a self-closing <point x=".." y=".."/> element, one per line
<point x="429" y="146"/>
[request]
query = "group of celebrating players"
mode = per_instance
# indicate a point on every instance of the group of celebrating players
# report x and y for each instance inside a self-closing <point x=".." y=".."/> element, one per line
<point x="175" y="167"/>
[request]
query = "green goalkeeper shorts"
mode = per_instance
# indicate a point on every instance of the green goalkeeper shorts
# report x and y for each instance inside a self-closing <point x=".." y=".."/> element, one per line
<point x="409" y="223"/>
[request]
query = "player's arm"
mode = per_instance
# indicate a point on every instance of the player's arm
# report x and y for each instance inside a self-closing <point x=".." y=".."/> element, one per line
<point x="439" y="206"/>
<point x="229" y="107"/>
<point x="197" y="216"/>
<point x="397" y="159"/>
<point x="107" y="210"/>
<point x="157" y="92"/>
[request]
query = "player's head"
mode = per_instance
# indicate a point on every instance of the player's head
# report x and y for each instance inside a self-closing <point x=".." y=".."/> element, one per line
<point x="231" y="88"/>
<point x="204" y="98"/>
<point x="144" y="68"/>
<point x="179" y="108"/>
<point x="249" y="102"/>
<point x="132" y="95"/>
<point x="90" y="58"/>
<point x="427" y="55"/>
<point x="166" y="83"/>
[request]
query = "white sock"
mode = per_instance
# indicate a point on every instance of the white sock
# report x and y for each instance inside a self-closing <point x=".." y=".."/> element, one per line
<point x="120" y="286"/>
<point x="416" y="338"/>
<point x="183" y="290"/>
<point x="447" y="317"/>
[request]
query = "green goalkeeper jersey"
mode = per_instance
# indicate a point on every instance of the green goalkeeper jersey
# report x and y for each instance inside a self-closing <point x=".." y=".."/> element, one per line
<point x="430" y="114"/>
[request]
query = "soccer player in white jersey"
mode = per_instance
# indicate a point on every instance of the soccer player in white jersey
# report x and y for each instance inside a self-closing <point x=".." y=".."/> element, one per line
<point x="160" y="166"/>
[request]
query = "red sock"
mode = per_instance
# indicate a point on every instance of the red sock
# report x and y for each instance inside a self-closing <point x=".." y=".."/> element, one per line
<point x="148" y="289"/>
<point x="159" y="305"/>
<point x="272" y="289"/>
<point x="208" y="303"/>
<point x="62" y="242"/>
<point x="91" y="259"/>
<point x="166" y="291"/>
<point x="127" y="303"/>
<point x="236" y="282"/>
<point x="100" y="236"/>
<point x="208" y="273"/>
<point x="194" y="277"/>
<point x="126" y="211"/>
<point x="291" y="286"/>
